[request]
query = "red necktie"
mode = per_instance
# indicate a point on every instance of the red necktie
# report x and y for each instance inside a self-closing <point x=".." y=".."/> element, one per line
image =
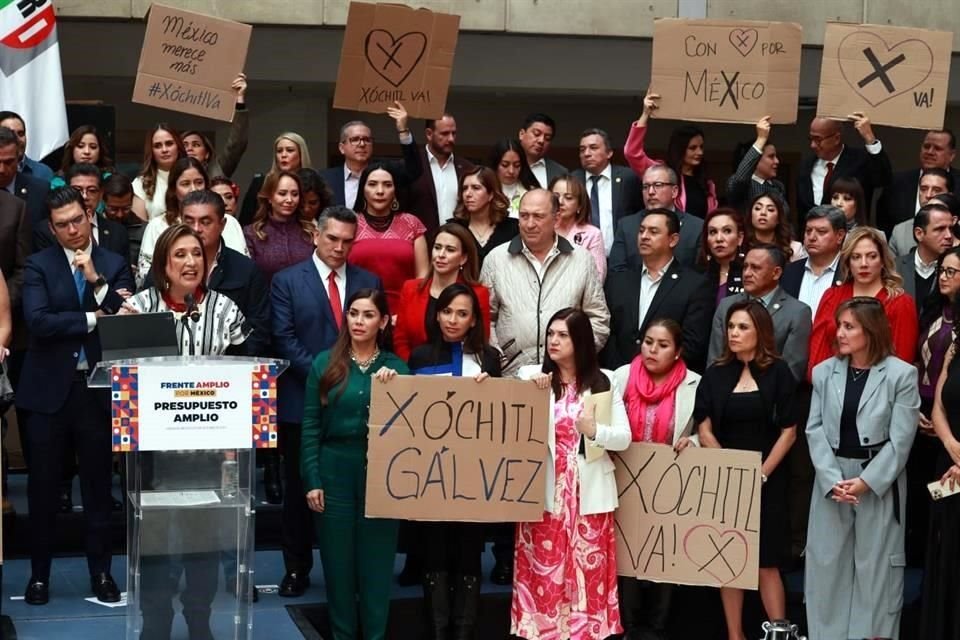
<point x="333" y="292"/>
<point x="825" y="199"/>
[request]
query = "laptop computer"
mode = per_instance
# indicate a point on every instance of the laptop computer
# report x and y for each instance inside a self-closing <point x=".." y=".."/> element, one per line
<point x="138" y="335"/>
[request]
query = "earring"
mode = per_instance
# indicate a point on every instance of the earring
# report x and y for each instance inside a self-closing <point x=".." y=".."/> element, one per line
<point x="395" y="205"/>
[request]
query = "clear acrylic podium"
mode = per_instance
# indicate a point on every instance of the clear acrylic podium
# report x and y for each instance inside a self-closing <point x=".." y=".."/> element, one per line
<point x="189" y="427"/>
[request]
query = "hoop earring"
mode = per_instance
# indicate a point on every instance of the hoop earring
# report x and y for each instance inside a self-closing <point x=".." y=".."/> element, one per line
<point x="395" y="206"/>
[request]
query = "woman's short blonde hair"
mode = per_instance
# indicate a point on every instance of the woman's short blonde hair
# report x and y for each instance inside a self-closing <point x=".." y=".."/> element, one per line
<point x="892" y="281"/>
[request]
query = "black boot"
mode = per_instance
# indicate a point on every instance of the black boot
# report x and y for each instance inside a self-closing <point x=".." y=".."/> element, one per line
<point x="630" y="599"/>
<point x="466" y="605"/>
<point x="659" y="597"/>
<point x="271" y="477"/>
<point x="436" y="597"/>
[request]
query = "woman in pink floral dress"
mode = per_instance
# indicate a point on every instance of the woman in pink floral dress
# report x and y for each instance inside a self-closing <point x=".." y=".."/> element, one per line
<point x="565" y="567"/>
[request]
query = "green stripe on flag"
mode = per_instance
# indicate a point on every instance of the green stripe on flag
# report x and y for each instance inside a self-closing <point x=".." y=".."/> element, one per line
<point x="4" y="3"/>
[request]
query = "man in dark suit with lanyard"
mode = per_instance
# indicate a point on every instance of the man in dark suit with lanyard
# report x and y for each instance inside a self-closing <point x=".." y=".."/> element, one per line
<point x="831" y="159"/>
<point x="614" y="190"/>
<point x="307" y="301"/>
<point x="66" y="288"/>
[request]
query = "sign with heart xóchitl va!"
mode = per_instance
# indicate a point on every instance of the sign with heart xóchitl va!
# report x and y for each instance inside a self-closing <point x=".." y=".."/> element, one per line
<point x="688" y="519"/>
<point x="395" y="53"/>
<point x="896" y="75"/>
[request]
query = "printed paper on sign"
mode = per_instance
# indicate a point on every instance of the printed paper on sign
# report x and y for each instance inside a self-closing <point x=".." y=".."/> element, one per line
<point x="188" y="62"/>
<point x="898" y="76"/>
<point x="457" y="450"/>
<point x="395" y="53"/>
<point x="726" y="71"/>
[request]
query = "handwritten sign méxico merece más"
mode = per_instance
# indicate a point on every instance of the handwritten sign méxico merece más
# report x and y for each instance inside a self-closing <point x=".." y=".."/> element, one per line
<point x="896" y="75"/>
<point x="188" y="62"/>
<point x="394" y="53"/>
<point x="688" y="519"/>
<point x="726" y="71"/>
<point x="451" y="449"/>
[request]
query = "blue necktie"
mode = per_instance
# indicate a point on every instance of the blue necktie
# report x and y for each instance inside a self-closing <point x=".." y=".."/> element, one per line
<point x="81" y="284"/>
<point x="595" y="201"/>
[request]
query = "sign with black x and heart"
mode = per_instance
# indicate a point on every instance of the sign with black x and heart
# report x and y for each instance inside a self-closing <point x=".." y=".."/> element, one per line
<point x="896" y="75"/>
<point x="394" y="53"/>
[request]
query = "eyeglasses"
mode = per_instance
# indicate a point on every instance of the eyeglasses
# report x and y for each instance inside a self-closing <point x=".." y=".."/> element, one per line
<point x="358" y="140"/>
<point x="73" y="222"/>
<point x="950" y="272"/>
<point x="819" y="140"/>
<point x="87" y="191"/>
<point x="646" y="186"/>
<point x="119" y="212"/>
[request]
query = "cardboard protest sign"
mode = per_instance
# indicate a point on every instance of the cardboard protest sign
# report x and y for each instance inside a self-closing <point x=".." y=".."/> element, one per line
<point x="392" y="52"/>
<point x="188" y="62"/>
<point x="896" y="75"/>
<point x="726" y="71"/>
<point x="452" y="449"/>
<point x="688" y="519"/>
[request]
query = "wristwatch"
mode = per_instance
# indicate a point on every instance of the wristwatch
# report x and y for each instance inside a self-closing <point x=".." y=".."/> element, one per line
<point x="100" y="281"/>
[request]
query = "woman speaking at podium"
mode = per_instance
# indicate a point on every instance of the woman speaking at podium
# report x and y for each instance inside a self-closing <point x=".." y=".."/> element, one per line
<point x="207" y="324"/>
<point x="356" y="552"/>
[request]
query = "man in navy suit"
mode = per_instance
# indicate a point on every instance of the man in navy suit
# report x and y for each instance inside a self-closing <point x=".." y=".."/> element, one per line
<point x="31" y="190"/>
<point x="66" y="287"/>
<point x="28" y="165"/>
<point x="614" y="190"/>
<point x="306" y="321"/>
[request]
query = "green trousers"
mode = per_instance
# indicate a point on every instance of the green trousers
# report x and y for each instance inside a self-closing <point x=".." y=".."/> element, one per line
<point x="357" y="552"/>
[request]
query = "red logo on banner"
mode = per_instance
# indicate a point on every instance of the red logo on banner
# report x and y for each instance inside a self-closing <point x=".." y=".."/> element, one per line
<point x="33" y="31"/>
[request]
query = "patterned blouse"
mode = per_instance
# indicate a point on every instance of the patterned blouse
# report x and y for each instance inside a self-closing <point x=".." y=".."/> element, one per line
<point x="221" y="323"/>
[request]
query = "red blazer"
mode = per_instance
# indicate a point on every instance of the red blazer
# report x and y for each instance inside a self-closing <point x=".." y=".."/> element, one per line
<point x="410" y="330"/>
<point x="901" y="312"/>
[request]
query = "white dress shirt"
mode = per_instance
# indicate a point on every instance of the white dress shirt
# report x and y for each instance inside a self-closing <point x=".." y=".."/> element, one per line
<point x="649" y="283"/>
<point x="923" y="269"/>
<point x="812" y="287"/>
<point x="819" y="171"/>
<point x="605" y="195"/>
<point x="98" y="295"/>
<point x="445" y="184"/>
<point x="324" y="272"/>
<point x="539" y="169"/>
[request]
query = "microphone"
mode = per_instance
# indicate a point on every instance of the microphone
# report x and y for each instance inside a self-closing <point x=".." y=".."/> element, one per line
<point x="192" y="312"/>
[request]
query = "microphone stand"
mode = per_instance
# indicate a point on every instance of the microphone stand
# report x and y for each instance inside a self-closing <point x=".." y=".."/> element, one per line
<point x="188" y="315"/>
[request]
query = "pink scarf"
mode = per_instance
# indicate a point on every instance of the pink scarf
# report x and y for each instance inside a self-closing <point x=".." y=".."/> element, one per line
<point x="642" y="395"/>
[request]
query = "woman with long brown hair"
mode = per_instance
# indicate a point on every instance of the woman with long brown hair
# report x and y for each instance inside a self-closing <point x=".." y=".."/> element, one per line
<point x="484" y="210"/>
<point x="86" y="146"/>
<point x="745" y="401"/>
<point x="453" y="259"/>
<point x="281" y="234"/>
<point x="357" y="552"/>
<point x="161" y="149"/>
<point x="766" y="222"/>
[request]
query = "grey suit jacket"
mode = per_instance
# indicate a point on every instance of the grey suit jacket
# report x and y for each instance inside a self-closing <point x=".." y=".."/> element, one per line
<point x="887" y="417"/>
<point x="901" y="238"/>
<point x="554" y="170"/>
<point x="624" y="255"/>
<point x="791" y="327"/>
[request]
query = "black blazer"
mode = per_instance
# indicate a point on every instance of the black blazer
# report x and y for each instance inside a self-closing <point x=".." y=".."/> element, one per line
<point x="237" y="277"/>
<point x="627" y="194"/>
<point x="792" y="278"/>
<point x="15" y="244"/>
<point x="113" y="236"/>
<point x="422" y="201"/>
<point x="505" y="231"/>
<point x="425" y="356"/>
<point x="683" y="295"/>
<point x="872" y="170"/>
<point x="333" y="176"/>
<point x="33" y="191"/>
<point x="898" y="201"/>
<point x="776" y="385"/>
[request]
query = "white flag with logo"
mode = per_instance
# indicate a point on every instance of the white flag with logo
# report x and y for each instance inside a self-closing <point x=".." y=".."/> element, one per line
<point x="31" y="83"/>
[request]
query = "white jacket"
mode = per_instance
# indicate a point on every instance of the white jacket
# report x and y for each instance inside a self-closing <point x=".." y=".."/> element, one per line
<point x="598" y="484"/>
<point x="685" y="399"/>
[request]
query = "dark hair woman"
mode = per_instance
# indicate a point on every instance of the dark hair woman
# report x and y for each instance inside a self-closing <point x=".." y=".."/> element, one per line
<point x="509" y="161"/>
<point x="451" y="551"/>
<point x="659" y="394"/>
<point x="721" y="251"/>
<point x="745" y="401"/>
<point x="574" y="545"/>
<point x="315" y="195"/>
<point x="86" y="146"/>
<point x="767" y="222"/>
<point x="389" y="243"/>
<point x="453" y="260"/>
<point x="357" y="553"/>
<point x="847" y="195"/>
<point x="696" y="195"/>
<point x="863" y="419"/>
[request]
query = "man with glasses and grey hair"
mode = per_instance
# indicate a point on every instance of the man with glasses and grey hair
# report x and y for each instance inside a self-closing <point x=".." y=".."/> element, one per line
<point x="356" y="147"/>
<point x="659" y="192"/>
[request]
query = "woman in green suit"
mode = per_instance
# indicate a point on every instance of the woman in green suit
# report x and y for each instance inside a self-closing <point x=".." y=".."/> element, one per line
<point x="357" y="553"/>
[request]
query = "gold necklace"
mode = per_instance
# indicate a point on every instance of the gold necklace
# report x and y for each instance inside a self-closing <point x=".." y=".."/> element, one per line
<point x="363" y="365"/>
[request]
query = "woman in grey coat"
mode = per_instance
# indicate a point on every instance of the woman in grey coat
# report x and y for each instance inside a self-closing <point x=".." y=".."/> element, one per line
<point x="863" y="418"/>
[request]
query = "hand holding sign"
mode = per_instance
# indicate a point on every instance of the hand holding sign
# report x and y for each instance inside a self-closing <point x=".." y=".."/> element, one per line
<point x="862" y="124"/>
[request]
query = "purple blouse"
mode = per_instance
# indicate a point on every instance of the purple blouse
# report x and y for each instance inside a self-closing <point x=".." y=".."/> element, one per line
<point x="285" y="245"/>
<point x="935" y="341"/>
